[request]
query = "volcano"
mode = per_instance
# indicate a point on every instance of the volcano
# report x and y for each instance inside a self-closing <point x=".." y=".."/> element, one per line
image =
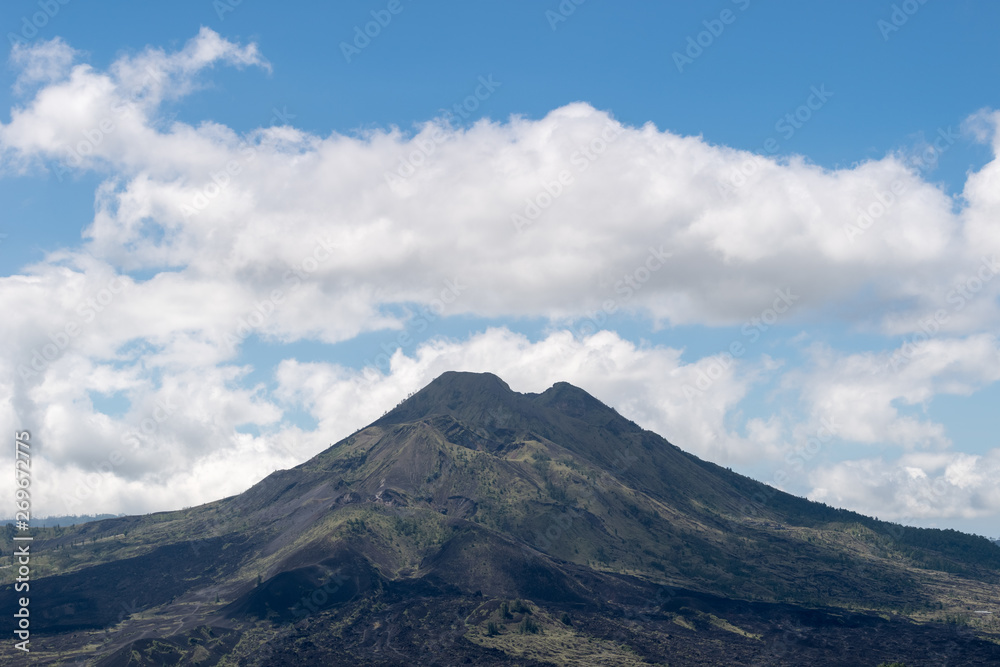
<point x="476" y="525"/>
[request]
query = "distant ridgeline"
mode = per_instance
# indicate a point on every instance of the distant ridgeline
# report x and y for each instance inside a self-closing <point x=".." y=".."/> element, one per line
<point x="52" y="521"/>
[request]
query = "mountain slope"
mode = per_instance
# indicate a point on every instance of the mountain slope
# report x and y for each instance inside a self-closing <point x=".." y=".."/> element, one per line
<point x="468" y="496"/>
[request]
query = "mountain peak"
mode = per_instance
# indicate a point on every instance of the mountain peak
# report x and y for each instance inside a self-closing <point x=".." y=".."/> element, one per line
<point x="466" y="380"/>
<point x="571" y="400"/>
<point x="483" y="400"/>
<point x="457" y="394"/>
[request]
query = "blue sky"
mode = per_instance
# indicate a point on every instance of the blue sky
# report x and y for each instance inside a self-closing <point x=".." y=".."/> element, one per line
<point x="734" y="148"/>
